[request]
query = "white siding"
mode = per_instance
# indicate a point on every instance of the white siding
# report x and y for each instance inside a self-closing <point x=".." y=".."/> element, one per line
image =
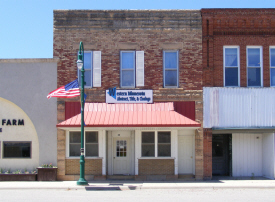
<point x="238" y="107"/>
<point x="268" y="155"/>
<point x="247" y="154"/>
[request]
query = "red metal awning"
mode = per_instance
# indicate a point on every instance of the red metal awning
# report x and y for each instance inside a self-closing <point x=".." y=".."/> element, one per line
<point x="130" y="115"/>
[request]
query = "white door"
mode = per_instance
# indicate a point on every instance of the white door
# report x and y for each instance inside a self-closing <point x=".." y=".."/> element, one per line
<point x="247" y="154"/>
<point x="185" y="154"/>
<point x="121" y="156"/>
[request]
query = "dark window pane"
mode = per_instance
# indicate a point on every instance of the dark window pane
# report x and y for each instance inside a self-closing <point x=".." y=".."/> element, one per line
<point x="171" y="60"/>
<point x="171" y="78"/>
<point x="91" y="149"/>
<point x="253" y="57"/>
<point x="148" y="137"/>
<point x="272" y="57"/>
<point x="164" y="137"/>
<point x="17" y="150"/>
<point x="272" y="76"/>
<point x="148" y="150"/>
<point x="74" y="149"/>
<point x="231" y="57"/>
<point x="91" y="137"/>
<point x="254" y="76"/>
<point x="231" y="76"/>
<point x="127" y="60"/>
<point x="75" y="137"/>
<point x="88" y="78"/>
<point x="127" y="78"/>
<point x="164" y="150"/>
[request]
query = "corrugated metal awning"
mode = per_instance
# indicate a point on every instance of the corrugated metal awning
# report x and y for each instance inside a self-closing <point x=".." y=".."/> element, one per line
<point x="130" y="115"/>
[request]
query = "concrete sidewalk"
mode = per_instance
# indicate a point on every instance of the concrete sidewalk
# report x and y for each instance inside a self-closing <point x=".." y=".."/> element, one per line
<point x="138" y="185"/>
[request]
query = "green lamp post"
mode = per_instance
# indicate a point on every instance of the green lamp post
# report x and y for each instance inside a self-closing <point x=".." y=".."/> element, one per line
<point x="80" y="66"/>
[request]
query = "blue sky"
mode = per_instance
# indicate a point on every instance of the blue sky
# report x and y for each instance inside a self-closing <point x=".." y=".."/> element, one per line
<point x="27" y="25"/>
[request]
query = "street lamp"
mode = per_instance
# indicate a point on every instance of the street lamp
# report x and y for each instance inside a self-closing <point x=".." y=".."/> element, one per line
<point x="80" y="66"/>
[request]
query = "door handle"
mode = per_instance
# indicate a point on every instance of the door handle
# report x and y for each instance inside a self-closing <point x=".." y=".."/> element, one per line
<point x="114" y="157"/>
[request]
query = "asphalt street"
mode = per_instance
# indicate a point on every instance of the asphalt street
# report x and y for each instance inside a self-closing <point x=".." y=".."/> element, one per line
<point x="150" y="195"/>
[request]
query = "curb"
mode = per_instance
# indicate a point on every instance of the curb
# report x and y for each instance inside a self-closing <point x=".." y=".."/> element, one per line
<point x="133" y="188"/>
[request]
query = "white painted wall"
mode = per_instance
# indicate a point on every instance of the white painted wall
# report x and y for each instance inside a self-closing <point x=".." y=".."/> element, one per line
<point x="238" y="107"/>
<point x="247" y="154"/>
<point x="268" y="155"/>
<point x="26" y="83"/>
<point x="9" y="110"/>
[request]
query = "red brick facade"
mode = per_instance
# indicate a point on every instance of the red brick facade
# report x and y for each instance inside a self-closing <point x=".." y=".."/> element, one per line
<point x="238" y="27"/>
<point x="148" y="31"/>
<point x="112" y="31"/>
<point x="233" y="27"/>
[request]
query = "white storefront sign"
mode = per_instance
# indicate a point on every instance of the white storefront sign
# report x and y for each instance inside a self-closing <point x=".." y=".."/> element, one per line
<point x="129" y="96"/>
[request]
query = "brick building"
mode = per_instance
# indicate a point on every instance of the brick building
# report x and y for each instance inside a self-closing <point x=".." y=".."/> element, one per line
<point x="139" y="51"/>
<point x="238" y="80"/>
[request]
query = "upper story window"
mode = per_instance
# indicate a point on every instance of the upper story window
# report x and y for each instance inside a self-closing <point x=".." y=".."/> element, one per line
<point x="170" y="69"/>
<point x="254" y="66"/>
<point x="272" y="65"/>
<point x="127" y="69"/>
<point x="92" y="66"/>
<point x="131" y="69"/>
<point x="156" y="144"/>
<point x="90" y="145"/>
<point x="231" y="66"/>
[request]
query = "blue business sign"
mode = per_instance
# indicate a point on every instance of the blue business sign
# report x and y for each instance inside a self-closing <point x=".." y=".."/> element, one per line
<point x="129" y="96"/>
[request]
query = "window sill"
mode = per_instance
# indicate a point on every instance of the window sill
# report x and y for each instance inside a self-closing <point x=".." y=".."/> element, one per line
<point x="156" y="158"/>
<point x="126" y="87"/>
<point x="85" y="157"/>
<point x="171" y="88"/>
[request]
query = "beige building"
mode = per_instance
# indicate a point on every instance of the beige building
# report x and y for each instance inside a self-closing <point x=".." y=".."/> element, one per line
<point x="28" y="119"/>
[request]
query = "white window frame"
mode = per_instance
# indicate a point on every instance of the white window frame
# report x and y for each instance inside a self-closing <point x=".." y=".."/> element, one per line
<point x="261" y="64"/>
<point x="177" y="69"/>
<point x="238" y="55"/>
<point x="91" y="69"/>
<point x="156" y="144"/>
<point x="68" y="145"/>
<point x="271" y="67"/>
<point x="134" y="70"/>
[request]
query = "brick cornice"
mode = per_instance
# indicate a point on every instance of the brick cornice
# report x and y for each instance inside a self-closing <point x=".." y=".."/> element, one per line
<point x="238" y="11"/>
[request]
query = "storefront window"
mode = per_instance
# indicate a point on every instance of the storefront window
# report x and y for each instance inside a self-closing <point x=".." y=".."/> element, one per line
<point x="75" y="143"/>
<point x="17" y="149"/>
<point x="148" y="144"/>
<point x="164" y="144"/>
<point x="153" y="142"/>
<point x="90" y="146"/>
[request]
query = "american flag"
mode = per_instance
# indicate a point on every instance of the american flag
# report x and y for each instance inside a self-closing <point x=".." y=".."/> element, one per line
<point x="67" y="91"/>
